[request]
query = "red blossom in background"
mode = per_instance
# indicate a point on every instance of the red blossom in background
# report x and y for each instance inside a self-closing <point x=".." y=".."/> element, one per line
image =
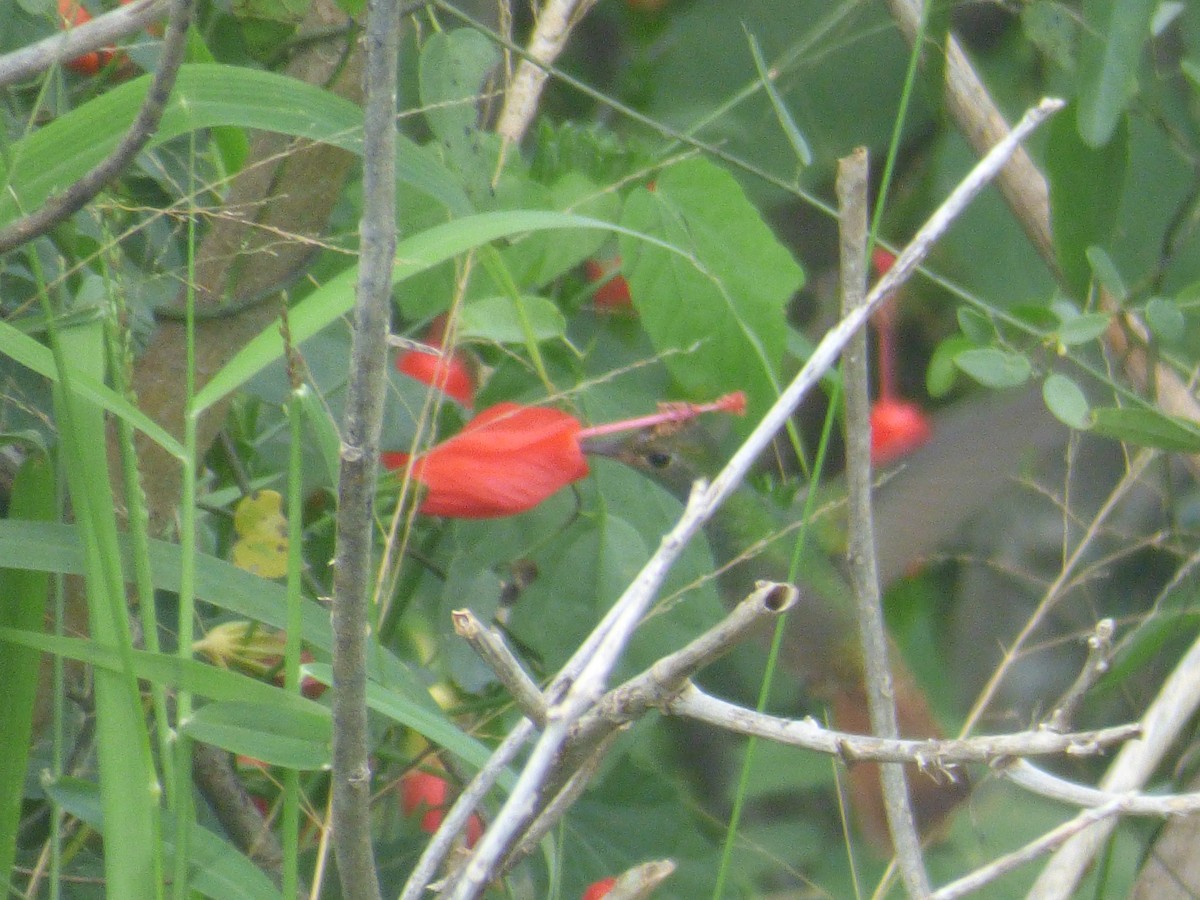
<point x="449" y="373"/>
<point x="510" y="458"/>
<point x="598" y="889"/>
<point x="613" y="293"/>
<point x="898" y="427"/>
<point x="425" y="793"/>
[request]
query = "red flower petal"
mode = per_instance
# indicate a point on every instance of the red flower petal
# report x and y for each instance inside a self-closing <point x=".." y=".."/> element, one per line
<point x="897" y="429"/>
<point x="508" y="459"/>
<point x="882" y="260"/>
<point x="598" y="889"/>
<point x="447" y="373"/>
<point x="614" y="293"/>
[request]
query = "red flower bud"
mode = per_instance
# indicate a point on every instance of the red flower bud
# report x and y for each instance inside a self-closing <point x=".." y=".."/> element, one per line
<point x="613" y="294"/>
<point x="598" y="889"/>
<point x="897" y="429"/>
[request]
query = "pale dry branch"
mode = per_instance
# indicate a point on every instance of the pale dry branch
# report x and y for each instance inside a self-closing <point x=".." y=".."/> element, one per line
<point x="852" y="177"/>
<point x="933" y="755"/>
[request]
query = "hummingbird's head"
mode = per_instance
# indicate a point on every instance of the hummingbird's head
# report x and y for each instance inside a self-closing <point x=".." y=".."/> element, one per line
<point x="674" y="459"/>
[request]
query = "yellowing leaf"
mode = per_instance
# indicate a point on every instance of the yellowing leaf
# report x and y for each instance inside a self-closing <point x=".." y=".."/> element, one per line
<point x="262" y="544"/>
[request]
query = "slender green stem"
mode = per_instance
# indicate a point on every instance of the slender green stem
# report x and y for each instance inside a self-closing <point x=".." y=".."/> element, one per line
<point x="184" y="806"/>
<point x="290" y="827"/>
<point x="764" y="692"/>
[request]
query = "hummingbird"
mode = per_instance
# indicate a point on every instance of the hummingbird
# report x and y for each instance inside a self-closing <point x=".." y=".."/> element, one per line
<point x="920" y="506"/>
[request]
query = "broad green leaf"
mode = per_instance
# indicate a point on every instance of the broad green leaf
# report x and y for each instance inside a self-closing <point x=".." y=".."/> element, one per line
<point x="1083" y="328"/>
<point x="1113" y="35"/>
<point x="537" y="259"/>
<point x="25" y="595"/>
<point x="1053" y="29"/>
<point x="1106" y="273"/>
<point x="205" y="96"/>
<point x="454" y="67"/>
<point x="718" y="316"/>
<point x="494" y="319"/>
<point x="1147" y="428"/>
<point x="217" y="869"/>
<point x="994" y="368"/>
<point x="978" y="328"/>
<point x="281" y="737"/>
<point x="1066" y="401"/>
<point x="1085" y="193"/>
<point x="1165" y="320"/>
<point x="413" y="254"/>
<point x="942" y="373"/>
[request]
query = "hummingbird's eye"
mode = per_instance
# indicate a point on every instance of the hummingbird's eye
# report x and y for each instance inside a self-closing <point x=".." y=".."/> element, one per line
<point x="658" y="459"/>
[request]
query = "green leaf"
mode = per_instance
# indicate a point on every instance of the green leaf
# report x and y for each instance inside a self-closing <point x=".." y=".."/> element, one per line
<point x="1165" y="320"/>
<point x="454" y="67"/>
<point x="1085" y="193"/>
<point x="1083" y="328"/>
<point x="942" y="373"/>
<point x="1106" y="273"/>
<point x="1052" y="28"/>
<point x="995" y="368"/>
<point x="216" y="868"/>
<point x="414" y="254"/>
<point x="1147" y="428"/>
<point x="724" y="306"/>
<point x="205" y="96"/>
<point x="1066" y="401"/>
<point x="494" y="319"/>
<point x="37" y="358"/>
<point x="25" y="593"/>
<point x="1113" y="35"/>
<point x="766" y="78"/>
<point x="978" y="328"/>
<point x="281" y="737"/>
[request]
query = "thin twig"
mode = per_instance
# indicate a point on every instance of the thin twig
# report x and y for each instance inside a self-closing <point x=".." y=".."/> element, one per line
<point x="351" y="819"/>
<point x="1010" y="862"/>
<point x="59" y="206"/>
<point x="1099" y="658"/>
<point x="1171" y="710"/>
<point x="490" y="647"/>
<point x="101" y="32"/>
<point x="935" y="755"/>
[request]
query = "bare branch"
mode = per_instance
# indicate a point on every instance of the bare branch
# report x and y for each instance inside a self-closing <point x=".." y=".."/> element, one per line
<point x="59" y="206"/>
<point x="554" y="23"/>
<point x="864" y="573"/>
<point x="491" y="648"/>
<point x="929" y="755"/>
<point x="351" y="820"/>
<point x="102" y="31"/>
<point x="1047" y="843"/>
<point x="1171" y="710"/>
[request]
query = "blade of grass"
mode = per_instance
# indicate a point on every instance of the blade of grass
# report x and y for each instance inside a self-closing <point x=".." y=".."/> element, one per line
<point x="128" y="783"/>
<point x="24" y="606"/>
